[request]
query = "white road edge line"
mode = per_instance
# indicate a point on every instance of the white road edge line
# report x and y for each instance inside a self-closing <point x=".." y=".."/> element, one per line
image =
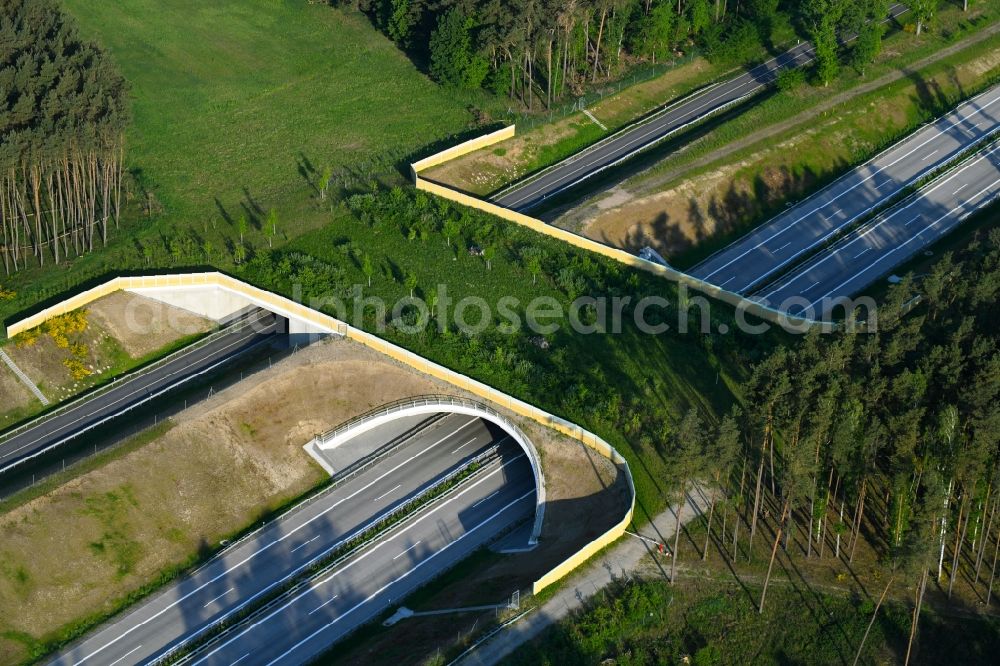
<point x="218" y="597"/>
<point x="261" y="550"/>
<point x="388" y="492"/>
<point x="419" y="541"/>
<point x="317" y="584"/>
<point x="324" y="604"/>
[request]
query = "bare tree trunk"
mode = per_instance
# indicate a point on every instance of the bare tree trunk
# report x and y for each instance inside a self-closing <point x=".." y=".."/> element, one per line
<point x="993" y="572"/>
<point x="597" y="46"/>
<point x="944" y="529"/>
<point x="858" y="516"/>
<point x="711" y="512"/>
<point x="756" y="496"/>
<point x="677" y="532"/>
<point x="959" y="538"/>
<point x="774" y="552"/>
<point x="872" y="621"/>
<point x="916" y="615"/>
<point x="985" y="539"/>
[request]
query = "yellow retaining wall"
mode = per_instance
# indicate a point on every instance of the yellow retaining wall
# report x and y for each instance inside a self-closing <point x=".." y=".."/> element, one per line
<point x="585" y="243"/>
<point x="462" y="149"/>
<point x="285" y="305"/>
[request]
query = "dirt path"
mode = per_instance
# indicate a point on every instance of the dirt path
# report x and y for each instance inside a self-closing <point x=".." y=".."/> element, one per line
<point x="580" y="217"/>
<point x="619" y="561"/>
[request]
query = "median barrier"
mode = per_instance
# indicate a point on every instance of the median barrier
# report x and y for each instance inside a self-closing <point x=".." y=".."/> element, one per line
<point x="747" y="305"/>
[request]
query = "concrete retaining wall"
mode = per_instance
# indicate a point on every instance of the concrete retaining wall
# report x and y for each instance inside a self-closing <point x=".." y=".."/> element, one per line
<point x="433" y="405"/>
<point x="291" y="309"/>
<point x="735" y="300"/>
<point x="462" y="149"/>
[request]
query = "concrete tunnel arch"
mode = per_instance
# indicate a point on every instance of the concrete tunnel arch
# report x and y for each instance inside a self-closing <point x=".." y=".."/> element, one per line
<point x="446" y="405"/>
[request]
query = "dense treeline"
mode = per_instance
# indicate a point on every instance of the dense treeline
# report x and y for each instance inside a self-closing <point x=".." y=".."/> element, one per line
<point x="540" y="50"/>
<point x="888" y="437"/>
<point x="63" y="110"/>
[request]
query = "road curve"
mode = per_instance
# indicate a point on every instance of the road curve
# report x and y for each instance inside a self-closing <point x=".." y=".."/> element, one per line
<point x="287" y="547"/>
<point x="85" y="414"/>
<point x="333" y="605"/>
<point x="872" y="251"/>
<point x="628" y="142"/>
<point x="750" y="261"/>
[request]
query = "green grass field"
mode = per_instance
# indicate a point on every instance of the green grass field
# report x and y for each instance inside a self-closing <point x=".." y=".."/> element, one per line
<point x="234" y="96"/>
<point x="238" y="106"/>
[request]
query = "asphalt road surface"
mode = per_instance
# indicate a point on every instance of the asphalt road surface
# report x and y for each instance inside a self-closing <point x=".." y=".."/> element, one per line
<point x="287" y="547"/>
<point x="872" y="251"/>
<point x="628" y="142"/>
<point x="308" y="623"/>
<point x="250" y="331"/>
<point x="750" y="261"/>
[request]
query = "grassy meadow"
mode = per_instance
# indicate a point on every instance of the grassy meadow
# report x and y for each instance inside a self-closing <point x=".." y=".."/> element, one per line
<point x="238" y="107"/>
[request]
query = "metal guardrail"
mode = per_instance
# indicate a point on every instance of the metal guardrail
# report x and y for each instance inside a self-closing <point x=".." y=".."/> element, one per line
<point x="483" y="459"/>
<point x="124" y="379"/>
<point x="431" y="400"/>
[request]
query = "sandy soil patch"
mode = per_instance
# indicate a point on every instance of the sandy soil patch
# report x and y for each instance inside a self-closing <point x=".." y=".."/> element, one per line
<point x="673" y="211"/>
<point x="141" y="325"/>
<point x="43" y="361"/>
<point x="585" y="497"/>
<point x="14" y="396"/>
<point x="74" y="551"/>
<point x="122" y="329"/>
<point x="677" y="219"/>
<point x="488" y="169"/>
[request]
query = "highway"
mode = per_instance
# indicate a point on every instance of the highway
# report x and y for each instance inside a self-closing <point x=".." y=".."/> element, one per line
<point x="85" y="413"/>
<point x="675" y="117"/>
<point x="875" y="249"/>
<point x="333" y="605"/>
<point x="750" y="261"/>
<point x="288" y="546"/>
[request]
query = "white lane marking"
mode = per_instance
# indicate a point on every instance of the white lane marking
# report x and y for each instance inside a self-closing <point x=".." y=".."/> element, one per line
<point x="930" y="155"/>
<point x="919" y="198"/>
<point x="916" y="219"/>
<point x="813" y="285"/>
<point x="388" y="492"/>
<point x="324" y="604"/>
<point x="305" y="543"/>
<point x="464" y="445"/>
<point x="957" y="112"/>
<point x="962" y="187"/>
<point x="117" y="661"/>
<point x="218" y="597"/>
<point x="908" y="241"/>
<point x="727" y="281"/>
<point x="488" y="497"/>
<point x="731" y="92"/>
<point x="139" y="391"/>
<point x="391" y="583"/>
<point x="782" y="247"/>
<point x="240" y="659"/>
<point x="862" y="252"/>
<point x="406" y="551"/>
<point x="839" y="211"/>
<point x="318" y="584"/>
<point x="273" y="543"/>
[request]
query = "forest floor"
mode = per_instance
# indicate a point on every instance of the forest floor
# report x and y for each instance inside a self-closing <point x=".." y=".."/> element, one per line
<point x="86" y="545"/>
<point x="238" y="107"/>
<point x="706" y="195"/>
<point x="817" y="608"/>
